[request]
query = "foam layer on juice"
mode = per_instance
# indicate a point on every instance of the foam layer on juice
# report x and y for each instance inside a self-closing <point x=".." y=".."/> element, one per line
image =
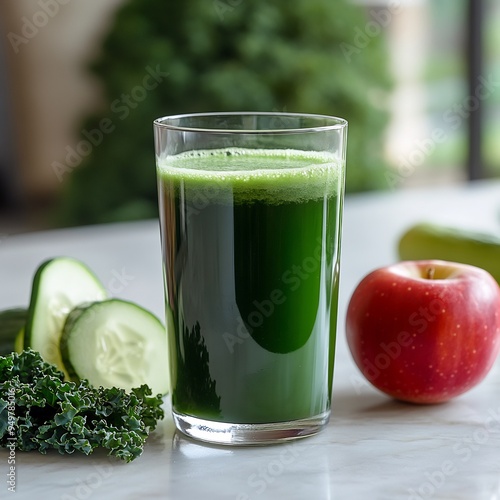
<point x="246" y="175"/>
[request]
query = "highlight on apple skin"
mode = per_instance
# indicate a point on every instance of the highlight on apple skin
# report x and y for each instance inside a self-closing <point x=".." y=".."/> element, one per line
<point x="425" y="331"/>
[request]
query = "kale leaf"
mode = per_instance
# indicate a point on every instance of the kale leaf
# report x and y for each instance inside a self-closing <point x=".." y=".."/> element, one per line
<point x="40" y="411"/>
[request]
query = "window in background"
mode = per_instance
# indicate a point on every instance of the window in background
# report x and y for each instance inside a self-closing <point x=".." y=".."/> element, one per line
<point x="491" y="139"/>
<point x="427" y="142"/>
<point x="445" y="84"/>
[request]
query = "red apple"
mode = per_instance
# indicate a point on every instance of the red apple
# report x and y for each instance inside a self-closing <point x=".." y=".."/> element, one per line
<point x="425" y="331"/>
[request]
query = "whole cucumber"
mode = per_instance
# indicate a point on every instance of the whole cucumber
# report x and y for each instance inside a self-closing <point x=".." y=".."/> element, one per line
<point x="433" y="241"/>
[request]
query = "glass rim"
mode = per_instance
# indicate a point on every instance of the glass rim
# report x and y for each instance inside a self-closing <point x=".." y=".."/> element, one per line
<point x="337" y="123"/>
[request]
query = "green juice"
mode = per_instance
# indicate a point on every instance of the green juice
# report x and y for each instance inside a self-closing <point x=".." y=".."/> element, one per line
<point x="250" y="243"/>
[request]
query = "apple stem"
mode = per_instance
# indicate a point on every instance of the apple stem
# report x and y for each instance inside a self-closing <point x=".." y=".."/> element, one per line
<point x="430" y="273"/>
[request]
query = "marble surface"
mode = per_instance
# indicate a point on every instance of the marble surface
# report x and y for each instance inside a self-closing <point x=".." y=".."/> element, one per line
<point x="374" y="448"/>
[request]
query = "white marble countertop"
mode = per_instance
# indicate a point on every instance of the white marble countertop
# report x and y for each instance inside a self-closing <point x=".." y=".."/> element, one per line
<point x="374" y="448"/>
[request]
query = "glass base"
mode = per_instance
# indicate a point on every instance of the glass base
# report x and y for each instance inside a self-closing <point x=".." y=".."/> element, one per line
<point x="224" y="433"/>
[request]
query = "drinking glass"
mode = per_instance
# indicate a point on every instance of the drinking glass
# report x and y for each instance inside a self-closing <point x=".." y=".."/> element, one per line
<point x="250" y="221"/>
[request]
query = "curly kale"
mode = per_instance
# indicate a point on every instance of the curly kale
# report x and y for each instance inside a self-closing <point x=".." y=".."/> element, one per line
<point x="40" y="411"/>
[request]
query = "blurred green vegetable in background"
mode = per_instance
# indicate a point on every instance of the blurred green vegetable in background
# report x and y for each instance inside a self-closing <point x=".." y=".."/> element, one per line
<point x="224" y="55"/>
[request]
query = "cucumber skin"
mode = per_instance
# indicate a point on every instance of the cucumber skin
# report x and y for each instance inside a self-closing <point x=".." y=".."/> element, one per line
<point x="431" y="241"/>
<point x="71" y="320"/>
<point x="31" y="310"/>
<point x="12" y="321"/>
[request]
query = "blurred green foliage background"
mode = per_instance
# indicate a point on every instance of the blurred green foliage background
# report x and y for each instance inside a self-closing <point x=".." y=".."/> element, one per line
<point x="224" y="55"/>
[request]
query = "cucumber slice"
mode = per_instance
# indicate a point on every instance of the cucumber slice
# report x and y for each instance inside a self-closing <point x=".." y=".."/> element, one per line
<point x="59" y="285"/>
<point x="12" y="321"/>
<point x="116" y="343"/>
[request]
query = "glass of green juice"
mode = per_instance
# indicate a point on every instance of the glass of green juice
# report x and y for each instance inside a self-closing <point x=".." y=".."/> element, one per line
<point x="250" y="221"/>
